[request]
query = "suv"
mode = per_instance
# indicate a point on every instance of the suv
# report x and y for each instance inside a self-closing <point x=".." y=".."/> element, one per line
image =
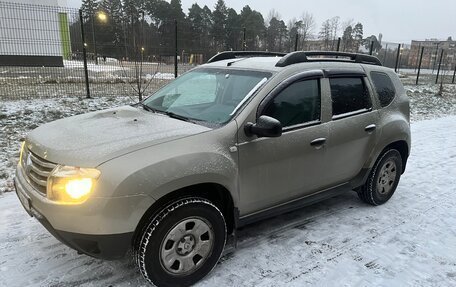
<point x="247" y="136"/>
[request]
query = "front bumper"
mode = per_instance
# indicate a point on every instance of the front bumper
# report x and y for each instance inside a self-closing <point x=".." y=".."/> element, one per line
<point x="108" y="247"/>
<point x="101" y="228"/>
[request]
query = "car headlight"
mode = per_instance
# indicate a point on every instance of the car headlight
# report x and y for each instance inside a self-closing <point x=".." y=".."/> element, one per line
<point x="71" y="185"/>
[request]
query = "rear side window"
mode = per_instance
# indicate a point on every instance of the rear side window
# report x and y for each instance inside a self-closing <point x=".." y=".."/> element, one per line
<point x="297" y="104"/>
<point x="349" y="95"/>
<point x="384" y="87"/>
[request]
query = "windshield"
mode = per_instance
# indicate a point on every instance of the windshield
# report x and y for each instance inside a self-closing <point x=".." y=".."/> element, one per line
<point x="208" y="95"/>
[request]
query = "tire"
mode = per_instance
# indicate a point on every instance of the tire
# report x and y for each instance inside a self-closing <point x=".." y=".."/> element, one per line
<point x="383" y="178"/>
<point x="182" y="243"/>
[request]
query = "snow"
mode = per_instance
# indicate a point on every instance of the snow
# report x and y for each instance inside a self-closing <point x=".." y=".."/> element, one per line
<point x="102" y="67"/>
<point x="408" y="241"/>
<point x="161" y="76"/>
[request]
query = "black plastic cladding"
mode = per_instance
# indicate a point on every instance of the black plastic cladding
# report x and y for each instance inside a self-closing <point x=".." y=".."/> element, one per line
<point x="302" y="57"/>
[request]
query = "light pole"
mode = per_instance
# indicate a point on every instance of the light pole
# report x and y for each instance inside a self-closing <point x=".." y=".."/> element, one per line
<point x="103" y="18"/>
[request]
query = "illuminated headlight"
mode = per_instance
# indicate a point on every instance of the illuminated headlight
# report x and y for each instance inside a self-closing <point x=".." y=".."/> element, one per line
<point x="71" y="185"/>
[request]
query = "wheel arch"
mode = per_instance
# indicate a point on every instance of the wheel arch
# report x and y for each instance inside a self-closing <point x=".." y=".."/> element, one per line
<point x="402" y="147"/>
<point x="216" y="193"/>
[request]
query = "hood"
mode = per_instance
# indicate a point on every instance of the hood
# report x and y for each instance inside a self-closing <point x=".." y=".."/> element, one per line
<point x="90" y="139"/>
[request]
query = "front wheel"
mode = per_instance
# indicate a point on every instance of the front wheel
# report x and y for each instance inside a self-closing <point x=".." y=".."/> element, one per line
<point x="182" y="244"/>
<point x="383" y="179"/>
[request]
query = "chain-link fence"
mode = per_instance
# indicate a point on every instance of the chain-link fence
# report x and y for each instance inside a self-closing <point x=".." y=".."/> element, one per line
<point x="55" y="52"/>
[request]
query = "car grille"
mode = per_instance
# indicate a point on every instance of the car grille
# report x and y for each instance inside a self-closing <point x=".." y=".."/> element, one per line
<point x="37" y="170"/>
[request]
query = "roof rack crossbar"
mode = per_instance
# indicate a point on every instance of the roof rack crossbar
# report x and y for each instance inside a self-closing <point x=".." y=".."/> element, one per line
<point x="243" y="54"/>
<point x="301" y="56"/>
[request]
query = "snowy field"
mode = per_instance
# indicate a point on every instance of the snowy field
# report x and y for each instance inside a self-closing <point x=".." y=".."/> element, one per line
<point x="110" y="78"/>
<point x="410" y="241"/>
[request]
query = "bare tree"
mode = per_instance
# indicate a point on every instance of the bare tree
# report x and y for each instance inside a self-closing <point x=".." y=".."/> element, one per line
<point x="334" y="23"/>
<point x="325" y="33"/>
<point x="307" y="28"/>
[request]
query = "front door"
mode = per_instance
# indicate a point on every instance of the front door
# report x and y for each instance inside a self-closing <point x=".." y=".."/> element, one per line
<point x="277" y="170"/>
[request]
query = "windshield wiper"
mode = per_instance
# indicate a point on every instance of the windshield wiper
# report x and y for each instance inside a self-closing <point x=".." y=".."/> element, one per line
<point x="147" y="108"/>
<point x="169" y="114"/>
<point x="176" y="116"/>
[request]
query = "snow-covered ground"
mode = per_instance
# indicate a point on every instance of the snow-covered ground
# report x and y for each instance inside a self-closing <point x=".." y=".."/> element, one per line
<point x="410" y="241"/>
<point x="102" y="67"/>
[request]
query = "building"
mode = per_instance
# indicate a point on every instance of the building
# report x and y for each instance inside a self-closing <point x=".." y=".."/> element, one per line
<point x="34" y="35"/>
<point x="432" y="51"/>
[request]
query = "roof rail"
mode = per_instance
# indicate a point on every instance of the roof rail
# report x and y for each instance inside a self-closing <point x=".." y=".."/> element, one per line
<point x="301" y="56"/>
<point x="243" y="54"/>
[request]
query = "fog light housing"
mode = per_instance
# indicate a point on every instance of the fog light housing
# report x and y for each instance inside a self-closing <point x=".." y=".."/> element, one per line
<point x="71" y="185"/>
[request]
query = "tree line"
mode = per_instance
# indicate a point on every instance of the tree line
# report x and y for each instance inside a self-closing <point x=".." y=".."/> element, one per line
<point x="132" y="28"/>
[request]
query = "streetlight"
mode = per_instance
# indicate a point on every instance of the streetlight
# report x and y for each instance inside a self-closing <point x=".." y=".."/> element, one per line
<point x="103" y="18"/>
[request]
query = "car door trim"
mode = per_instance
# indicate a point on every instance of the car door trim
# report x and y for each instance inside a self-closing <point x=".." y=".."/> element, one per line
<point x="350" y="114"/>
<point x="294" y="204"/>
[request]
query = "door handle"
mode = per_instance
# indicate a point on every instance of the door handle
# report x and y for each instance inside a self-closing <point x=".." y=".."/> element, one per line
<point x="318" y="143"/>
<point x="370" y="128"/>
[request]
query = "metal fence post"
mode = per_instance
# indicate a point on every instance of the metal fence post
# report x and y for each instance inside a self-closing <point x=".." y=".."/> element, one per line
<point x="397" y="57"/>
<point x="84" y="54"/>
<point x="296" y="42"/>
<point x="338" y="44"/>
<point x="175" y="46"/>
<point x="243" y="40"/>
<point x="438" y="69"/>
<point x="419" y="66"/>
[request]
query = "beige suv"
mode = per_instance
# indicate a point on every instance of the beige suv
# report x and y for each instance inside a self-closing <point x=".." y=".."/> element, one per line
<point x="246" y="136"/>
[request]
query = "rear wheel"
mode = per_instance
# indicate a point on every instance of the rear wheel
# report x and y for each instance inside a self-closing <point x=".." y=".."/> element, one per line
<point x="182" y="244"/>
<point x="383" y="179"/>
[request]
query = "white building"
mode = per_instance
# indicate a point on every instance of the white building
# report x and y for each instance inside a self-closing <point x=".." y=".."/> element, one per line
<point x="34" y="35"/>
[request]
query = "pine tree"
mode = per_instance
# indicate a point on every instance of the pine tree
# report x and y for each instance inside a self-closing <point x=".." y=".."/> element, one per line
<point x="347" y="38"/>
<point x="219" y="22"/>
<point x="358" y="36"/>
<point x="233" y="31"/>
<point x="276" y="34"/>
<point x="253" y="21"/>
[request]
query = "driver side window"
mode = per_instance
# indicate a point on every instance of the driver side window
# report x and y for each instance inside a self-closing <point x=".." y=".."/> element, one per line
<point x="298" y="103"/>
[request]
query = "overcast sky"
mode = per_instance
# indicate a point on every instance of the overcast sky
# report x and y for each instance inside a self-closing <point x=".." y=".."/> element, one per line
<point x="398" y="20"/>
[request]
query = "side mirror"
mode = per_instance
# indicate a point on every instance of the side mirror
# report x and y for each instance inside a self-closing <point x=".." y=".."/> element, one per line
<point x="264" y="127"/>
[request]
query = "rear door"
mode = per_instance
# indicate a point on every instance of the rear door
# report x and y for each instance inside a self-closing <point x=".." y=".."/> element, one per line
<point x="353" y="129"/>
